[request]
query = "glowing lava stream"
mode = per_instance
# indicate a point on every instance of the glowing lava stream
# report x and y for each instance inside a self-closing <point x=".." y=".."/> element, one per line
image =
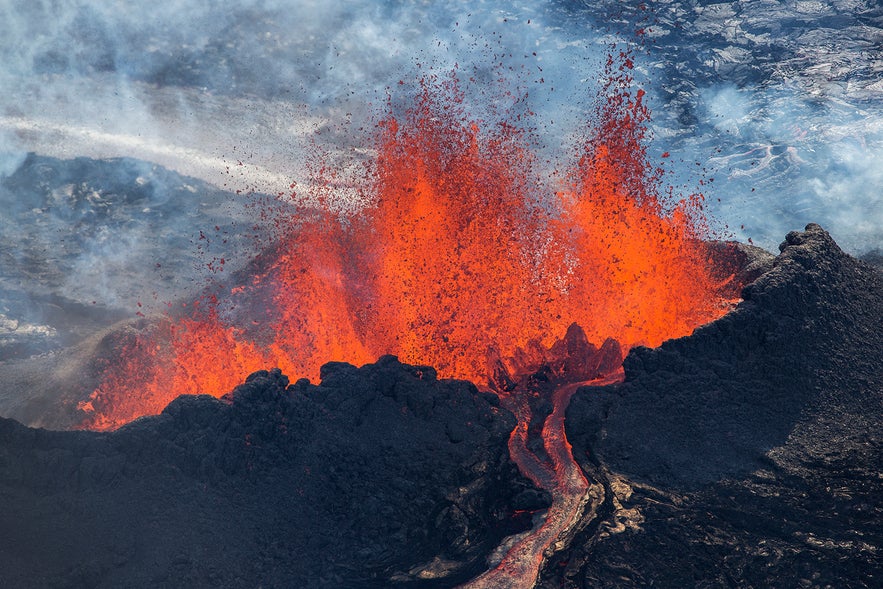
<point x="564" y="479"/>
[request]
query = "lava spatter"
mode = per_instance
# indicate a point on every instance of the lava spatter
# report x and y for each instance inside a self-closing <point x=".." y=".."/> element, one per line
<point x="463" y="248"/>
<point x="637" y="270"/>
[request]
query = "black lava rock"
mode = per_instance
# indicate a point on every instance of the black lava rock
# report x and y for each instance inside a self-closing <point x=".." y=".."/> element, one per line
<point x="747" y="454"/>
<point x="379" y="476"/>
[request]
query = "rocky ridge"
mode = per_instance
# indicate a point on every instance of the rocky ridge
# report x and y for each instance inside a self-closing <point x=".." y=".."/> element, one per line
<point x="378" y="476"/>
<point x="747" y="454"/>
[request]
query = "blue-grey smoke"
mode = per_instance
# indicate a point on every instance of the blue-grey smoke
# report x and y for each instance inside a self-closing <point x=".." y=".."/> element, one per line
<point x="778" y="102"/>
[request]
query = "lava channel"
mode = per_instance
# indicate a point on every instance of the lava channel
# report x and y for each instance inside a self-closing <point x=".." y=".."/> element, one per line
<point x="543" y="454"/>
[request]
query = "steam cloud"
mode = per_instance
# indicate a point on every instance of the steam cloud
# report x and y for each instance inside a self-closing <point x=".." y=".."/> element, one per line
<point x="781" y="107"/>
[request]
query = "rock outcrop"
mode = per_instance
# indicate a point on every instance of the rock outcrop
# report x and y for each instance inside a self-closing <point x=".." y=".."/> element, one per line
<point x="747" y="454"/>
<point x="379" y="476"/>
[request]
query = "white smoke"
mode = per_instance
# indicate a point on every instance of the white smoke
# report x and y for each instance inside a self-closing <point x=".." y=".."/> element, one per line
<point x="185" y="83"/>
<point x="234" y="95"/>
<point x="784" y="159"/>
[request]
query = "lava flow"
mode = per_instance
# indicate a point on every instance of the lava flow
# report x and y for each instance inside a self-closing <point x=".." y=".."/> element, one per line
<point x="538" y="444"/>
<point x="469" y="260"/>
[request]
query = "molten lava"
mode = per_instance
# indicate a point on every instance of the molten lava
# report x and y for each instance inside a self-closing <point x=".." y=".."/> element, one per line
<point x="638" y="274"/>
<point x="464" y="249"/>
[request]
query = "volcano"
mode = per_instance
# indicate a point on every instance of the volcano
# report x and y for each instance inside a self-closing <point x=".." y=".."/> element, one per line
<point x="746" y="454"/>
<point x="463" y="343"/>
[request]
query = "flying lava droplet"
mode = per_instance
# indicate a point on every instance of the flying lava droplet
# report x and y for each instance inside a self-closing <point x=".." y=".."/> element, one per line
<point x="464" y="248"/>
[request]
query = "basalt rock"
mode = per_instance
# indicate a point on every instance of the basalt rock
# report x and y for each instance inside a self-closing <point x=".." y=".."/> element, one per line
<point x="736" y="264"/>
<point x="380" y="476"/>
<point x="747" y="454"/>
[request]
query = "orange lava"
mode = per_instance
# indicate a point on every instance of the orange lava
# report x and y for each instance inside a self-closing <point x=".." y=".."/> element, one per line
<point x="464" y="249"/>
<point x="639" y="274"/>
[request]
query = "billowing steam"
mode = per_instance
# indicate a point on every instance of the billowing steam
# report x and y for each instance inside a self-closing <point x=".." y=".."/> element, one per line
<point x="778" y="104"/>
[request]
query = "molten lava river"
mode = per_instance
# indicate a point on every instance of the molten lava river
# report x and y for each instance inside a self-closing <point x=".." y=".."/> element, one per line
<point x="469" y="257"/>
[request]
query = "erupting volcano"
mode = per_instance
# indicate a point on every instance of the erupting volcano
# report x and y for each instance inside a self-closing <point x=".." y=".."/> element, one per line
<point x="452" y="337"/>
<point x="469" y="251"/>
<point x="472" y="257"/>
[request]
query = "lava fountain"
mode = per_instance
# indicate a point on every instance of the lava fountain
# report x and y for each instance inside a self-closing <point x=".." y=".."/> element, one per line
<point x="465" y="248"/>
<point x="469" y="259"/>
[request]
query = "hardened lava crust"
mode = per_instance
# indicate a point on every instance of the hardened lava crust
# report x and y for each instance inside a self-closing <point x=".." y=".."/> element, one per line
<point x="379" y="476"/>
<point x="749" y="453"/>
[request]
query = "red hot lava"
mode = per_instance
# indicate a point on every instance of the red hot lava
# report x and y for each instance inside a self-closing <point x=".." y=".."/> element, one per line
<point x="464" y="249"/>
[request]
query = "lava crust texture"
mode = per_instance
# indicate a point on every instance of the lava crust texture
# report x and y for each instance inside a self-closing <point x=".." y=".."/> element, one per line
<point x="380" y="476"/>
<point x="748" y="454"/>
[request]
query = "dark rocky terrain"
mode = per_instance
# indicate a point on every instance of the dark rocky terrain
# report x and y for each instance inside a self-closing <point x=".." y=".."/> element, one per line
<point x="380" y="476"/>
<point x="745" y="455"/>
<point x="750" y="453"/>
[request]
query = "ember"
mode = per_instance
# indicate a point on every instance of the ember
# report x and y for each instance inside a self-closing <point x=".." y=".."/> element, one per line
<point x="464" y="250"/>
